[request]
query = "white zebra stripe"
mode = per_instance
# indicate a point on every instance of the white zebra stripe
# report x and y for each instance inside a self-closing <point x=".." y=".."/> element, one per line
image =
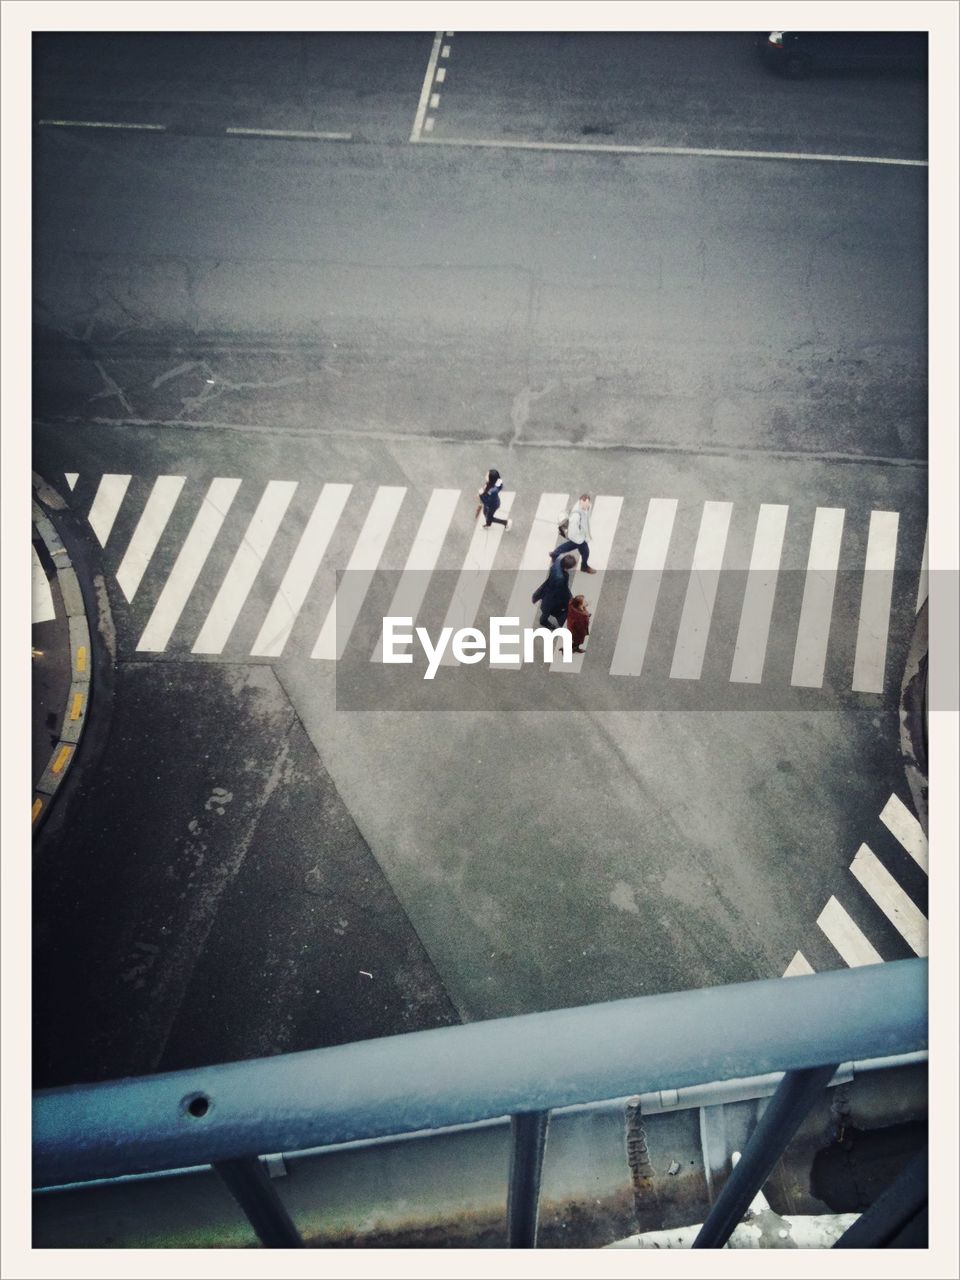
<point x="847" y="937"/>
<point x="870" y="659"/>
<point x="701" y="594"/>
<point x="41" y="595"/>
<point x="189" y="563"/>
<point x="71" y="478"/>
<point x="644" y="588"/>
<point x="751" y="647"/>
<point x="798" y="966"/>
<point x="242" y="573"/>
<point x="924" y="583"/>
<point x="604" y="519"/>
<point x="362" y="565"/>
<point x="816" y="611"/>
<point x="472" y="582"/>
<point x="902" y="912"/>
<point x="905" y="828"/>
<point x="106" y="504"/>
<point x="534" y="564"/>
<point x="422" y="560"/>
<point x="301" y="571"/>
<point x="149" y="530"/>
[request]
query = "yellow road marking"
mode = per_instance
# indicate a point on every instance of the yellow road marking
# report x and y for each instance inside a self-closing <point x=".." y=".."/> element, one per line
<point x="82" y="658"/>
<point x="63" y="755"/>
<point x="77" y="708"/>
<point x="37" y="806"/>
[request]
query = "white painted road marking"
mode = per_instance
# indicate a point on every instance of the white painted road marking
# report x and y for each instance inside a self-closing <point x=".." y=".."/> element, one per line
<point x="106" y="504"/>
<point x="708" y="152"/>
<point x="905" y="916"/>
<point x="190" y="561"/>
<point x="102" y="124"/>
<point x="847" y="937"/>
<point x="604" y="519"/>
<point x="798" y="966"/>
<point x="353" y="587"/>
<point x="313" y="135"/>
<point x="242" y="573"/>
<point x="301" y="571"/>
<point x="701" y="592"/>
<point x="472" y="582"/>
<point x="905" y="828"/>
<point x="425" y="90"/>
<point x="422" y="559"/>
<point x="72" y="477"/>
<point x="42" y="596"/>
<point x="534" y="565"/>
<point x="751" y="649"/>
<point x="816" y="611"/>
<point x="870" y="660"/>
<point x="641" y="602"/>
<point x="923" y="585"/>
<point x="150" y="527"/>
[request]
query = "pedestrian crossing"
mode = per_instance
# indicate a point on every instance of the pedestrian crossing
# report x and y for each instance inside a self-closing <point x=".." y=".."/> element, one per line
<point x="226" y="565"/>
<point x="880" y="891"/>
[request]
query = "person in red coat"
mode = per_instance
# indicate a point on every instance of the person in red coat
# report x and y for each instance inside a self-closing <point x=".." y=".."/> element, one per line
<point x="578" y="622"/>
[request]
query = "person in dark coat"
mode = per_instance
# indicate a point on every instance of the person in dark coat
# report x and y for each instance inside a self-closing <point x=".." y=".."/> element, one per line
<point x="578" y="622"/>
<point x="489" y="497"/>
<point x="553" y="594"/>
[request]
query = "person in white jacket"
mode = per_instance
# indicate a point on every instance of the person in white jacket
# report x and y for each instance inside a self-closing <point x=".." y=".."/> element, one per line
<point x="578" y="534"/>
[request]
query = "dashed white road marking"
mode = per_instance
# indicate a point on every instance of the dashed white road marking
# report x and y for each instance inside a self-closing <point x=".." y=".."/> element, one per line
<point x="106" y="504"/>
<point x="422" y="559"/>
<point x="42" y="596"/>
<point x="905" y="828"/>
<point x="434" y="101"/>
<point x="534" y="565"/>
<point x="102" y="124"/>
<point x="189" y="563"/>
<point x="445" y="51"/>
<point x="902" y="912"/>
<point x="816" y="611"/>
<point x="441" y="75"/>
<point x="150" y="527"/>
<point x="707" y="152"/>
<point x="418" y="121"/>
<point x="847" y="937"/>
<point x="354" y="585"/>
<point x="641" y="602"/>
<point x="604" y="519"/>
<point x="301" y="571"/>
<point x="798" y="966"/>
<point x="758" y="598"/>
<point x="242" y="573"/>
<point x="314" y="135"/>
<point x="870" y="659"/>
<point x="701" y="594"/>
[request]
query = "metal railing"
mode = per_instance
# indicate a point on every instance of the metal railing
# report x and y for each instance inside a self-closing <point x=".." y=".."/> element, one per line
<point x="521" y="1067"/>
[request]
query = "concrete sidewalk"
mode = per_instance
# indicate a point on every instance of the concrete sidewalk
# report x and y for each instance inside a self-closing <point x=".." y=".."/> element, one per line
<point x="62" y="657"/>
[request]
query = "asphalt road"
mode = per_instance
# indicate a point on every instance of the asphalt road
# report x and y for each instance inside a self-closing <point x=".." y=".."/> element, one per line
<point x="372" y="312"/>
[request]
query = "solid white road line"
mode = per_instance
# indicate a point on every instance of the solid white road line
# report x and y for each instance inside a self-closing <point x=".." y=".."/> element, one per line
<point x="816" y="611"/>
<point x="924" y="583"/>
<point x="472" y="582"/>
<point x="422" y="559"/>
<point x="189" y="563"/>
<point x="301" y="571"/>
<point x="314" y="135"/>
<point x="701" y="592"/>
<point x="751" y="648"/>
<point x="534" y="566"/>
<point x="250" y="555"/>
<point x="871" y="655"/>
<point x="106" y="504"/>
<point x="710" y="152"/>
<point x="72" y="477"/>
<point x="427" y="85"/>
<point x="604" y="519"/>
<point x="102" y="124"/>
<point x="798" y="966"/>
<point x="644" y="588"/>
<point x="902" y="912"/>
<point x="42" y="596"/>
<point x="362" y="565"/>
<point x="847" y="938"/>
<point x="150" y="527"/>
<point x="905" y="828"/>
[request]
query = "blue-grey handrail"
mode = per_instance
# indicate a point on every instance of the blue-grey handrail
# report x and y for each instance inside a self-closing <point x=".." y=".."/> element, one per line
<point x="458" y="1075"/>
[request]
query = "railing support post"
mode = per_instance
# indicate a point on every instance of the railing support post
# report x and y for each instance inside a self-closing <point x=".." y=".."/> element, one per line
<point x="528" y="1137"/>
<point x="794" y="1096"/>
<point x="256" y="1195"/>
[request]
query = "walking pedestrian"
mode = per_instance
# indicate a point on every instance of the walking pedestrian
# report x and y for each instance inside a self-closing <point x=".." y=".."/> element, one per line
<point x="553" y="594"/>
<point x="578" y="622"/>
<point x="578" y="534"/>
<point x="489" y="497"/>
